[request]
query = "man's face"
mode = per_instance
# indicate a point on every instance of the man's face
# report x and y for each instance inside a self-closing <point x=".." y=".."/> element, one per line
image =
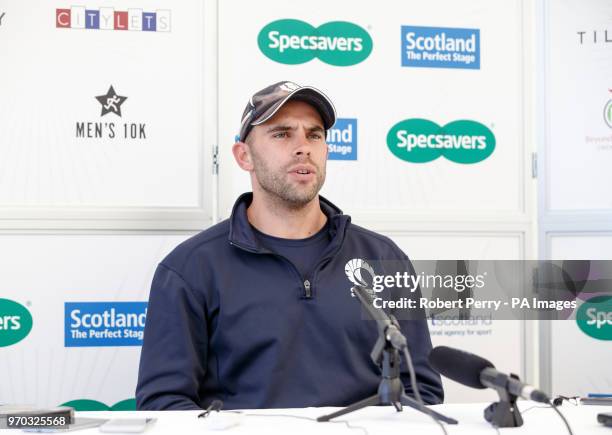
<point x="289" y="154"/>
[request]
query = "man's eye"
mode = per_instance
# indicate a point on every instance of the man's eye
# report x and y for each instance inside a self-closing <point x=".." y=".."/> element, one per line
<point x="316" y="136"/>
<point x="280" y="134"/>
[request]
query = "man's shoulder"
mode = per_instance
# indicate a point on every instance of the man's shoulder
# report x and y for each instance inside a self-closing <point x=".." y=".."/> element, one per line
<point x="206" y="242"/>
<point x="375" y="240"/>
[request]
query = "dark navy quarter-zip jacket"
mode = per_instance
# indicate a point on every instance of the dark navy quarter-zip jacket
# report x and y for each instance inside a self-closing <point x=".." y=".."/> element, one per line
<point x="228" y="319"/>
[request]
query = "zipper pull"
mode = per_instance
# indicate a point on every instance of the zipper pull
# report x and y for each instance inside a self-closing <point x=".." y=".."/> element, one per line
<point x="307" y="292"/>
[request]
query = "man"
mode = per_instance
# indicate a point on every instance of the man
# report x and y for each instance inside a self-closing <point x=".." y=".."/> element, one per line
<point x="257" y="310"/>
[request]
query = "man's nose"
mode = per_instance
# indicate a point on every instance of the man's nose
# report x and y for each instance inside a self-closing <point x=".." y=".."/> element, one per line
<point x="302" y="152"/>
<point x="303" y="147"/>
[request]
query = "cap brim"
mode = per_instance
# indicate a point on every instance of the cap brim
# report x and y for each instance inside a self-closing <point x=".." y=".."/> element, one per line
<point x="309" y="95"/>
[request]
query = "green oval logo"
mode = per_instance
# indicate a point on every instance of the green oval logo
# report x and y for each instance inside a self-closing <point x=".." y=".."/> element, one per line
<point x="608" y="113"/>
<point x="281" y="41"/>
<point x="293" y="42"/>
<point x="15" y="322"/>
<point x="96" y="405"/>
<point x="421" y="141"/>
<point x="407" y="140"/>
<point x="594" y="317"/>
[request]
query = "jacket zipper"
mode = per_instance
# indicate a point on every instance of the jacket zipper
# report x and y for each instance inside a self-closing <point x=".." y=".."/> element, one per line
<point x="316" y="269"/>
<point x="305" y="283"/>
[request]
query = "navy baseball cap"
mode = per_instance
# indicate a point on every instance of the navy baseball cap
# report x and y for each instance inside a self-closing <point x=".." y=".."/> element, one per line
<point x="265" y="103"/>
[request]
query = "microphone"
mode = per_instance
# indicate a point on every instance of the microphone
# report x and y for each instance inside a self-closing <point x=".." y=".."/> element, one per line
<point x="384" y="322"/>
<point x="476" y="372"/>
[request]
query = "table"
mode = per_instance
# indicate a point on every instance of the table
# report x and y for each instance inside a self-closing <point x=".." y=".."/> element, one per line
<point x="370" y="421"/>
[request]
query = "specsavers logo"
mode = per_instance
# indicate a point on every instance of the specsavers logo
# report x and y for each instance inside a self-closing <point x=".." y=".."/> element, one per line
<point x="594" y="317"/>
<point x="293" y="42"/>
<point x="421" y="141"/>
<point x="15" y="322"/>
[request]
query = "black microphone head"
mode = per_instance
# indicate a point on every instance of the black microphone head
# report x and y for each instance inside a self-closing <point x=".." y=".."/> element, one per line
<point x="460" y="366"/>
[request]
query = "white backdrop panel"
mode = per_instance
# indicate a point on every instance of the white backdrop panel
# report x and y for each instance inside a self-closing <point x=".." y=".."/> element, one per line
<point x="579" y="151"/>
<point x="584" y="366"/>
<point x="459" y="246"/>
<point x="50" y="78"/>
<point x="499" y="341"/>
<point x="42" y="272"/>
<point x="379" y="92"/>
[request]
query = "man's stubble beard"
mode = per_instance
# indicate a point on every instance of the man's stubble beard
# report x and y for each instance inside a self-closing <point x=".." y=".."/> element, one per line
<point x="277" y="185"/>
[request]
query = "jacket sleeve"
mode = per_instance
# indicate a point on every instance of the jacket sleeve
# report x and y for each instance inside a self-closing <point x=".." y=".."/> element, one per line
<point x="173" y="356"/>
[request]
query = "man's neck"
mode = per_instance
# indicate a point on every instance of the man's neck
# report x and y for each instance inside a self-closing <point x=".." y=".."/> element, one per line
<point x="279" y="220"/>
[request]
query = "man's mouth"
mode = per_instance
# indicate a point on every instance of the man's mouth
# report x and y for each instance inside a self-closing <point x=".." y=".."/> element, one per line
<point x="302" y="169"/>
<point x="302" y="173"/>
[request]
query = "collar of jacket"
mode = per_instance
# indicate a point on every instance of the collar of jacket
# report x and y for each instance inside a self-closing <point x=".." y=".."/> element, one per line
<point x="241" y="233"/>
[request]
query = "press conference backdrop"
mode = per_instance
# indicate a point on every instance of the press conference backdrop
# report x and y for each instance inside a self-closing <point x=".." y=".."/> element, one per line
<point x="575" y="205"/>
<point x="432" y="206"/>
<point x="110" y="114"/>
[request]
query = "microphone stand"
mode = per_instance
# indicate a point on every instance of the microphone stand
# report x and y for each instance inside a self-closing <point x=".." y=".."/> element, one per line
<point x="504" y="413"/>
<point x="386" y="355"/>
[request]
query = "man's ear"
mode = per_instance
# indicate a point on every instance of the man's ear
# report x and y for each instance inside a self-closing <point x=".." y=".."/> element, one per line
<point x="242" y="154"/>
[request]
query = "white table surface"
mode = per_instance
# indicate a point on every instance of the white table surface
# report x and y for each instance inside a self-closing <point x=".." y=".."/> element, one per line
<point x="375" y="420"/>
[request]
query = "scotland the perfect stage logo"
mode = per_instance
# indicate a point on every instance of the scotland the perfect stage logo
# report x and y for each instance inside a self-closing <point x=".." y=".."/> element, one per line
<point x="104" y="323"/>
<point x="440" y="47"/>
<point x="342" y="140"/>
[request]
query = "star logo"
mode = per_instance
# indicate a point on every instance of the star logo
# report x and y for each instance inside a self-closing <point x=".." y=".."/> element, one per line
<point x="111" y="102"/>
